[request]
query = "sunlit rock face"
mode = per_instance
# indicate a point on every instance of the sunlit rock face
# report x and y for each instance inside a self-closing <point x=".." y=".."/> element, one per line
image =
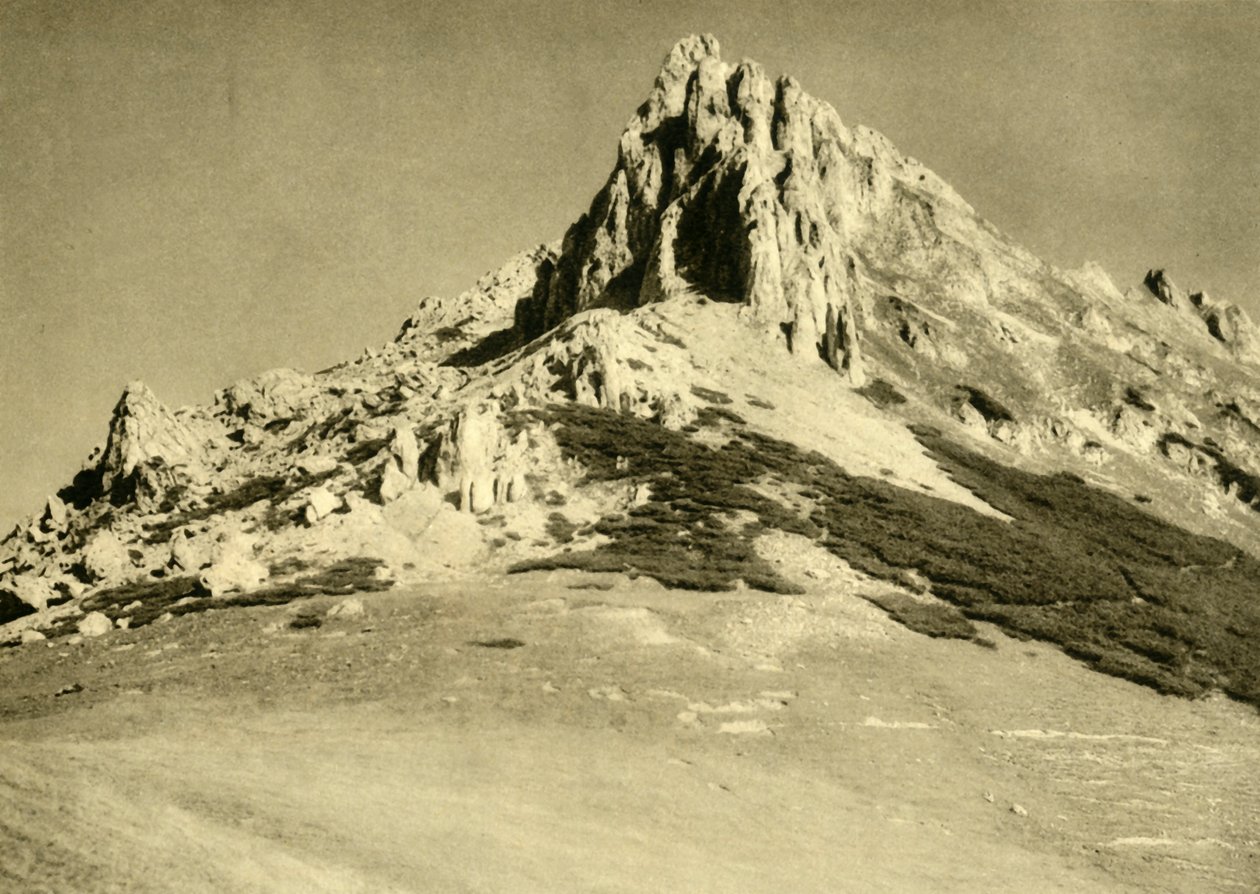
<point x="731" y="185"/>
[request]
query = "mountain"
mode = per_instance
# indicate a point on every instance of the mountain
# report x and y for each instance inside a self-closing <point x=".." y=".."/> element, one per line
<point x="768" y="324"/>
<point x="797" y="421"/>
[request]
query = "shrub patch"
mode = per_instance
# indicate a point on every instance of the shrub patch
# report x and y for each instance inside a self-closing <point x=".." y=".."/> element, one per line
<point x="1114" y="586"/>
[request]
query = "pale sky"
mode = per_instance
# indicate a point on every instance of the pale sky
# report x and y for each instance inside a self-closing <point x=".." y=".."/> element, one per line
<point x="195" y="191"/>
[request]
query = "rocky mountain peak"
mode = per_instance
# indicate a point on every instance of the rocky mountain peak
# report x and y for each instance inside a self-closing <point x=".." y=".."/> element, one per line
<point x="729" y="185"/>
<point x="669" y="93"/>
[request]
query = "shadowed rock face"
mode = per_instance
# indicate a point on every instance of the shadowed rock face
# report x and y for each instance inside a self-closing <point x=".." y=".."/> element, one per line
<point x="1225" y="322"/>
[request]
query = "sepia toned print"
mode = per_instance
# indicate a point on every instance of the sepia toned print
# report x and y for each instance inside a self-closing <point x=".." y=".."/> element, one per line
<point x="769" y="520"/>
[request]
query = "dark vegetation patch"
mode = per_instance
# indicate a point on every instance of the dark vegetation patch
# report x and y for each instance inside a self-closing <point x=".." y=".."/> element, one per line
<point x="708" y="394"/>
<point x="758" y="402"/>
<point x="713" y="417"/>
<point x="687" y="535"/>
<point x="881" y="394"/>
<point x="159" y="597"/>
<point x="935" y="619"/>
<point x="273" y="488"/>
<point x="506" y="642"/>
<point x="288" y="565"/>
<point x="1114" y="586"/>
<point x="560" y="528"/>
<point x="301" y="622"/>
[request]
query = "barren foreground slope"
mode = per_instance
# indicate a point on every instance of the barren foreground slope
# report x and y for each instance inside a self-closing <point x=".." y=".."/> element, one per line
<point x="578" y="733"/>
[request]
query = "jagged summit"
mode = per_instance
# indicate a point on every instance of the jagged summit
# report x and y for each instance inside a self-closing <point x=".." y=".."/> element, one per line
<point x="734" y="186"/>
<point x="1228" y="323"/>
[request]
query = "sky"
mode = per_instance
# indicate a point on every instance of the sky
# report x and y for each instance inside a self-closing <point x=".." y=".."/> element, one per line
<point x="194" y="191"/>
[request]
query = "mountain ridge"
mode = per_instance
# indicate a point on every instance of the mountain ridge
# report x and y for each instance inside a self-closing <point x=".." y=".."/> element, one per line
<point x="740" y="213"/>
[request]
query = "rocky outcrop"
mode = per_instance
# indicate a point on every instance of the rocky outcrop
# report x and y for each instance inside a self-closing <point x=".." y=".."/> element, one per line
<point x="402" y="465"/>
<point x="1228" y="323"/>
<point x="1231" y="326"/>
<point x="233" y="567"/>
<point x="479" y="460"/>
<point x="1162" y="287"/>
<point x="607" y="360"/>
<point x="149" y="451"/>
<point x="277" y="394"/>
<point x="727" y="184"/>
<point x="741" y="218"/>
<point x="487" y="304"/>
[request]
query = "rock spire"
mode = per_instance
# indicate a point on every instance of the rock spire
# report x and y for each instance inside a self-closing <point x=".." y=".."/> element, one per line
<point x="727" y="184"/>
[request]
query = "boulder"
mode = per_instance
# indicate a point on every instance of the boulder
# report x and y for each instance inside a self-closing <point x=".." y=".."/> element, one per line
<point x="394" y="483"/>
<point x="320" y="502"/>
<point x="189" y="553"/>
<point x="105" y="558"/>
<point x="316" y="465"/>
<point x="233" y="568"/>
<point x="236" y="575"/>
<point x="401" y="469"/>
<point x="274" y="394"/>
<point x="31" y="635"/>
<point x="94" y="624"/>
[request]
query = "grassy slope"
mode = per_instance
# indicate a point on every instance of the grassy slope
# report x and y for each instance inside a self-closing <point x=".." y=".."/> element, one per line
<point x="1124" y="591"/>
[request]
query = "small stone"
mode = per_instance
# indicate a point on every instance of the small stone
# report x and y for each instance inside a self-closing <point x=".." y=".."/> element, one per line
<point x="347" y="608"/>
<point x="320" y="503"/>
<point x="1018" y="810"/>
<point x="30" y="635"/>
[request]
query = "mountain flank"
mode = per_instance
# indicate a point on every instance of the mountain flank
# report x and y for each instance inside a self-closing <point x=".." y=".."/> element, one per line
<point x="770" y="328"/>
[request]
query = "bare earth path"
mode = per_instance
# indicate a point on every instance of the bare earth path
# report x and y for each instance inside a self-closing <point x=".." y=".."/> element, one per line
<point x="638" y="740"/>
